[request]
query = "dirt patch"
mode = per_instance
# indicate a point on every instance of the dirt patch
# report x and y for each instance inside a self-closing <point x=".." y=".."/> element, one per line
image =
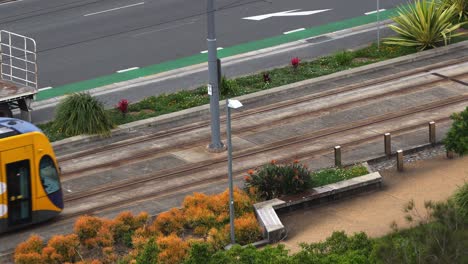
<point x="144" y="111"/>
<point x="434" y="179"/>
<point x="362" y="60"/>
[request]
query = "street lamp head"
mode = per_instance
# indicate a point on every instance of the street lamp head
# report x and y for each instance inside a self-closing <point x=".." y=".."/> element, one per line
<point x="234" y="104"/>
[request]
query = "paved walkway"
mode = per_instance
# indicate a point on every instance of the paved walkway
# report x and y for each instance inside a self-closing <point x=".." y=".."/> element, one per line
<point x="435" y="179"/>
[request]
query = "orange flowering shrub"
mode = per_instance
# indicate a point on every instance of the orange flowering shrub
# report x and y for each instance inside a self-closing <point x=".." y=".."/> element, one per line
<point x="87" y="228"/>
<point x="125" y="224"/>
<point x="29" y="251"/>
<point x="94" y="261"/>
<point x="109" y="256"/>
<point x="206" y="215"/>
<point x="172" y="249"/>
<point x="34" y="244"/>
<point x="196" y="200"/>
<point x="200" y="216"/>
<point x="218" y="238"/>
<point x="61" y="249"/>
<point x="29" y="258"/>
<point x="169" y="222"/>
<point x="246" y="229"/>
<point x="203" y="212"/>
<point x="93" y="231"/>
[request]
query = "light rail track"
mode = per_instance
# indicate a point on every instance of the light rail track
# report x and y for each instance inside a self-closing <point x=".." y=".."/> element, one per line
<point x="267" y="108"/>
<point x="290" y="118"/>
<point x="250" y="153"/>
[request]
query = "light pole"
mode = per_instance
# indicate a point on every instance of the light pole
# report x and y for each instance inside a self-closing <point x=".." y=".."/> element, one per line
<point x="216" y="145"/>
<point x="230" y="104"/>
<point x="378" y="24"/>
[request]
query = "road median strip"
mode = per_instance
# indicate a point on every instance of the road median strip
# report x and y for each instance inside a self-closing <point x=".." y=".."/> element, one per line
<point x="202" y="58"/>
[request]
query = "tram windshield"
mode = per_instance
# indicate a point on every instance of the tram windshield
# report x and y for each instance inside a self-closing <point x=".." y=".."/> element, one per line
<point x="49" y="175"/>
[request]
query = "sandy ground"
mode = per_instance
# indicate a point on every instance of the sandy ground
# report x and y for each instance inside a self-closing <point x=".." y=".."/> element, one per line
<point x="435" y="179"/>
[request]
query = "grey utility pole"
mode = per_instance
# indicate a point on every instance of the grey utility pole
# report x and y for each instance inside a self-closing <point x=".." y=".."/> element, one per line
<point x="230" y="104"/>
<point x="216" y="145"/>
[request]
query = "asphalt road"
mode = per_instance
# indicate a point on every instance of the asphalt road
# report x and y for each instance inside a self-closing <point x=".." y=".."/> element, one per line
<point x="79" y="40"/>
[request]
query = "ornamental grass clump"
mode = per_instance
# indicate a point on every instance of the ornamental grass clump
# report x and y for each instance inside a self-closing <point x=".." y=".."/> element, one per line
<point x="228" y="88"/>
<point x="273" y="180"/>
<point x="424" y="25"/>
<point x="80" y="113"/>
<point x="344" y="58"/>
<point x="461" y="7"/>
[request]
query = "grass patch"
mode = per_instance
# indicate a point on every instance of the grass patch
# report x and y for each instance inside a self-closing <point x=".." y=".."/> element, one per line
<point x="333" y="175"/>
<point x="168" y="103"/>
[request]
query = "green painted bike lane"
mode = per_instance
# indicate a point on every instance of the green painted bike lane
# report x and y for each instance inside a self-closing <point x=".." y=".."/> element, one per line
<point x="201" y="58"/>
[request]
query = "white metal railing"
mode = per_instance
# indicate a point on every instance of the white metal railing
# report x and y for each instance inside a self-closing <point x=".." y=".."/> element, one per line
<point x="18" y="59"/>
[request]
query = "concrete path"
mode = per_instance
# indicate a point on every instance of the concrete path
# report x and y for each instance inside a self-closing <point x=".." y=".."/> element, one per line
<point x="435" y="179"/>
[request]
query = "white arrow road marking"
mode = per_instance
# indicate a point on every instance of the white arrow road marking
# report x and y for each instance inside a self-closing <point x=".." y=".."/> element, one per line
<point x="45" y="88"/>
<point x="286" y="13"/>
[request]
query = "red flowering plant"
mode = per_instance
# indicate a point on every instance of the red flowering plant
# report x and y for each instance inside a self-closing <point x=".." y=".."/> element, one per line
<point x="274" y="180"/>
<point x="266" y="77"/>
<point x="295" y="62"/>
<point x="122" y="106"/>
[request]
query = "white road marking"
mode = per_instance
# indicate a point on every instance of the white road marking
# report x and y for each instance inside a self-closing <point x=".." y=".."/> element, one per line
<point x="11" y="2"/>
<point x="113" y="9"/>
<point x="372" y="12"/>
<point x="166" y="28"/>
<point x="6" y="3"/>
<point x="129" y="69"/>
<point x="292" y="31"/>
<point x="205" y="51"/>
<point x="45" y="88"/>
<point x="286" y="13"/>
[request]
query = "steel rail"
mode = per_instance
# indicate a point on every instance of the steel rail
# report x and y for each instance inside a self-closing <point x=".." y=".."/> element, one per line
<point x="263" y="109"/>
<point x="190" y="168"/>
<point x="154" y="152"/>
<point x="222" y="176"/>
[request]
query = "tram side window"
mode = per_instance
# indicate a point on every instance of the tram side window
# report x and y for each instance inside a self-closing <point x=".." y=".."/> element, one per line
<point x="49" y="175"/>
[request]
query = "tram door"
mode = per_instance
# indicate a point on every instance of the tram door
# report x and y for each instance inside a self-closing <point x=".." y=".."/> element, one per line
<point x="17" y="167"/>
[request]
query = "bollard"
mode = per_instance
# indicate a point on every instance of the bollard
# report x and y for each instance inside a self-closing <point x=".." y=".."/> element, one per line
<point x="338" y="156"/>
<point x="432" y="133"/>
<point x="388" y="144"/>
<point x="400" y="160"/>
<point x="450" y="154"/>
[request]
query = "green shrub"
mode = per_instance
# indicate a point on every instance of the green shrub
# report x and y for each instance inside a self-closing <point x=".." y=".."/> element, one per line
<point x="338" y="248"/>
<point x="424" y="25"/>
<point x="80" y="113"/>
<point x="149" y="254"/>
<point x="344" y="58"/>
<point x="461" y="200"/>
<point x="273" y="180"/>
<point x="457" y="137"/>
<point x="228" y="88"/>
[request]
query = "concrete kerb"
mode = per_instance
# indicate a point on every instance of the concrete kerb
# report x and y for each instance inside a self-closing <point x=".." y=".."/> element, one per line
<point x="254" y="99"/>
<point x="125" y="85"/>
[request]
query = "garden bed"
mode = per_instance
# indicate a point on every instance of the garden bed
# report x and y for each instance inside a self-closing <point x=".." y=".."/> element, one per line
<point x="267" y="211"/>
